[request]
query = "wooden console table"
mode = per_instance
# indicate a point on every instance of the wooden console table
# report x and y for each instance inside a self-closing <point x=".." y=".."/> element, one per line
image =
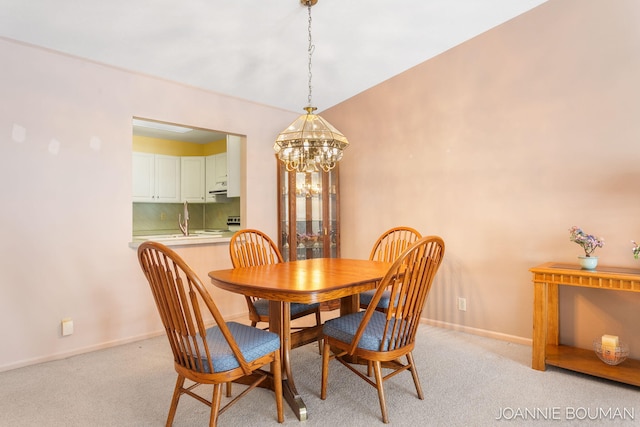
<point x="547" y="349"/>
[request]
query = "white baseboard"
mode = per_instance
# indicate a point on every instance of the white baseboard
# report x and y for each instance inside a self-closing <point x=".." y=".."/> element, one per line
<point x="241" y="317"/>
<point x="101" y="346"/>
<point x="477" y="331"/>
<point x="77" y="351"/>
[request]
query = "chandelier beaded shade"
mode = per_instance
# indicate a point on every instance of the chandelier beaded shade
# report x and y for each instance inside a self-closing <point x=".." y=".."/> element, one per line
<point x="310" y="143"/>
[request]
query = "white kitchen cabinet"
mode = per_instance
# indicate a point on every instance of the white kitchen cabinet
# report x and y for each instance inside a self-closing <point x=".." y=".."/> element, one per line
<point x="156" y="178"/>
<point x="223" y="171"/>
<point x="209" y="176"/>
<point x="215" y="181"/>
<point x="220" y="172"/>
<point x="192" y="179"/>
<point x="167" y="179"/>
<point x="143" y="177"/>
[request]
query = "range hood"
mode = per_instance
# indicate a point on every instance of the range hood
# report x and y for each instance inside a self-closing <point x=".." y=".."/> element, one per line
<point x="218" y="196"/>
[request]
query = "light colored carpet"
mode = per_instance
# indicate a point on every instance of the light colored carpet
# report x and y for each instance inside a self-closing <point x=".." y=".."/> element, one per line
<point x="468" y="381"/>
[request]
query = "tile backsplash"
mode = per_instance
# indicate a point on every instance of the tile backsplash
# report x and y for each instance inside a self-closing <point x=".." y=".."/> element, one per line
<point x="162" y="218"/>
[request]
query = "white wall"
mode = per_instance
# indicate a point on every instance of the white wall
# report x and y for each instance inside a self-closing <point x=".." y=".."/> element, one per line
<point x="500" y="145"/>
<point x="65" y="173"/>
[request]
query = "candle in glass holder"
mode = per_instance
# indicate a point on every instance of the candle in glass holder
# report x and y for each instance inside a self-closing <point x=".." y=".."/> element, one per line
<point x="609" y="345"/>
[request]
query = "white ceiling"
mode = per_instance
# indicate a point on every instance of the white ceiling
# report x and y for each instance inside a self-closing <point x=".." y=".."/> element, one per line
<point x="257" y="49"/>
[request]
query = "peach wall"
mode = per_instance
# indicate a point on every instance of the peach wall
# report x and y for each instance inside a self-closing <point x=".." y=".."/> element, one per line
<point x="500" y="145"/>
<point x="65" y="222"/>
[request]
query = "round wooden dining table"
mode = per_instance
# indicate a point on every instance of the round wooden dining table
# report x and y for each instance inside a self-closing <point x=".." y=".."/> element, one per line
<point x="304" y="281"/>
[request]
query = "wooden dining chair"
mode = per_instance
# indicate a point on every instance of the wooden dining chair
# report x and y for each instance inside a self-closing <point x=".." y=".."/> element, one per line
<point x="249" y="248"/>
<point x="386" y="249"/>
<point x="383" y="338"/>
<point x="213" y="355"/>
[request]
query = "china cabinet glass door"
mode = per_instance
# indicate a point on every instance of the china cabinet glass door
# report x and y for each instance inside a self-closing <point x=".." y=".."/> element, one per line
<point x="308" y="214"/>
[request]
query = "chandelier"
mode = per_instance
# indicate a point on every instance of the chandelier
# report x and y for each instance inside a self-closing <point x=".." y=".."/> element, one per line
<point x="310" y="143"/>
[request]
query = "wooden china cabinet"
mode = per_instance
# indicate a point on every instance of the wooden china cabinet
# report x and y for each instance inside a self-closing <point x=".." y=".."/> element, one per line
<point x="308" y="215"/>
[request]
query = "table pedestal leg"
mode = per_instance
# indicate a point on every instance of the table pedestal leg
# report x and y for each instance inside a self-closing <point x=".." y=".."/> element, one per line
<point x="280" y="323"/>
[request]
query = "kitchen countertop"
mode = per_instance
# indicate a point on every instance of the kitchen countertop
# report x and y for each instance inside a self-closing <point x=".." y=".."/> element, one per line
<point x="197" y="237"/>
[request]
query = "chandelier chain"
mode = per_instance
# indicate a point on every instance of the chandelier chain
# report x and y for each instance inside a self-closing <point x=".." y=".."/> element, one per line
<point x="310" y="143"/>
<point x="310" y="51"/>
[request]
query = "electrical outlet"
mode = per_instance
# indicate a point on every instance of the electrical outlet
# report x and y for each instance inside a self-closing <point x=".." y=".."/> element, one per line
<point x="462" y="304"/>
<point x="163" y="216"/>
<point x="67" y="327"/>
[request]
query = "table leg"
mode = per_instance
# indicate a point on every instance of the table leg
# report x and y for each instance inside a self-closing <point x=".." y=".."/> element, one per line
<point x="540" y="316"/>
<point x="280" y="323"/>
<point x="349" y="304"/>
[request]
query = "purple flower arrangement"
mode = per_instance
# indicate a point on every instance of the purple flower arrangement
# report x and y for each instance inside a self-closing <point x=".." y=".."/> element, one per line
<point x="588" y="242"/>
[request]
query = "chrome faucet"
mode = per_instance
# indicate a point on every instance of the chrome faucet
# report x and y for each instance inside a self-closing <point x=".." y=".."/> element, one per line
<point x="183" y="220"/>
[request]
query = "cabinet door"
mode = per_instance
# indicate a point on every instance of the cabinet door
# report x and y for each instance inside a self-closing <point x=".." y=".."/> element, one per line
<point x="192" y="179"/>
<point x="221" y="171"/>
<point x="308" y="214"/>
<point x="143" y="166"/>
<point x="167" y="179"/>
<point x="233" y="165"/>
<point x="210" y="177"/>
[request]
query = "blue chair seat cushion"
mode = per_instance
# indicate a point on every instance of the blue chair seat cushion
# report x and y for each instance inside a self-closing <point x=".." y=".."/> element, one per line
<point x="344" y="329"/>
<point x="262" y="307"/>
<point x="253" y="342"/>
<point x="367" y="296"/>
